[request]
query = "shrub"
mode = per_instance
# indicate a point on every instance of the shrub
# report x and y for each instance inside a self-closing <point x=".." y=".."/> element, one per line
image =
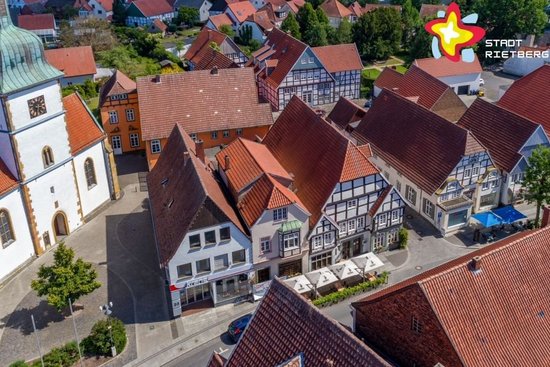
<point x="19" y="364"/>
<point x="403" y="238"/>
<point x="338" y="296"/>
<point x="99" y="340"/>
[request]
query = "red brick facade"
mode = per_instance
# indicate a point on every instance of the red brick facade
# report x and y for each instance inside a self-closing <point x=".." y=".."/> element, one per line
<point x="389" y="329"/>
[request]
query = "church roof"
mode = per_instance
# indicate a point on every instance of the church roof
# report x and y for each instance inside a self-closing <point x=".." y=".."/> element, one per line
<point x="7" y="181"/>
<point x="22" y="63"/>
<point x="82" y="128"/>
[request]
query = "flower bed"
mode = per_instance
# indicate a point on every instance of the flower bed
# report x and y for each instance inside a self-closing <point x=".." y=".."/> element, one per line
<point x="341" y="295"/>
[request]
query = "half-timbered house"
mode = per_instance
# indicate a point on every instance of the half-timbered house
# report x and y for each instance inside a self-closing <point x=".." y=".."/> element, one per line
<point x="510" y="138"/>
<point x="442" y="170"/>
<point x="205" y="39"/>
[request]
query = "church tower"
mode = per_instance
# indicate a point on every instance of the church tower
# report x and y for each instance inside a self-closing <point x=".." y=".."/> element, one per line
<point x="34" y="140"/>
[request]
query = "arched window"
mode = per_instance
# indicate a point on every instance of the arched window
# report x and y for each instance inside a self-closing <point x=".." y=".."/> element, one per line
<point x="90" y="173"/>
<point x="6" y="232"/>
<point x="47" y="157"/>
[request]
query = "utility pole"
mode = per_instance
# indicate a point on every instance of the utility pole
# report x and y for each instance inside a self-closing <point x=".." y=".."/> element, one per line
<point x="76" y="333"/>
<point x="37" y="340"/>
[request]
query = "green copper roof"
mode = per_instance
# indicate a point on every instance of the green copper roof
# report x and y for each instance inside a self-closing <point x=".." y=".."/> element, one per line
<point x="291" y="226"/>
<point x="22" y="61"/>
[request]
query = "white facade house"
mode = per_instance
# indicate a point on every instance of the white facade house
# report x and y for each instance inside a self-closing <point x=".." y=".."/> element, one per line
<point x="201" y="5"/>
<point x="521" y="66"/>
<point x="101" y="8"/>
<point x="463" y="77"/>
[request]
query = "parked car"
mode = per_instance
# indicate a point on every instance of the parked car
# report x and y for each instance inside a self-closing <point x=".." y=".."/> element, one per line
<point x="368" y="103"/>
<point x="236" y="328"/>
<point x="481" y="82"/>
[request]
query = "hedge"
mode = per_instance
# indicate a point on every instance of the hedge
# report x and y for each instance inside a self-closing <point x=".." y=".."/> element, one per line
<point x="338" y="296"/>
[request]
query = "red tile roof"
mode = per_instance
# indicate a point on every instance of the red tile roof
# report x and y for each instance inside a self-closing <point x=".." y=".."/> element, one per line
<point x="82" y="128"/>
<point x="150" y="8"/>
<point x="219" y="20"/>
<point x="503" y="132"/>
<point x="241" y="10"/>
<point x="106" y="4"/>
<point x="204" y="39"/>
<point x="356" y="9"/>
<point x="285" y="324"/>
<point x="370" y="7"/>
<point x="319" y="157"/>
<point x="200" y="101"/>
<point x="389" y="78"/>
<point x="430" y="10"/>
<point x="36" y="22"/>
<point x="335" y="9"/>
<point x="489" y="320"/>
<point x="378" y="203"/>
<point x="262" y="19"/>
<point x="82" y="4"/>
<point x="7" y="180"/>
<point x="160" y="25"/>
<point x="345" y="112"/>
<point x="418" y="83"/>
<point x="530" y="97"/>
<point x="444" y="67"/>
<point x="420" y="144"/>
<point x="118" y="83"/>
<point x="248" y="161"/>
<point x="208" y="58"/>
<point x="72" y="61"/>
<point x="337" y="58"/>
<point x="287" y="51"/>
<point x="188" y="187"/>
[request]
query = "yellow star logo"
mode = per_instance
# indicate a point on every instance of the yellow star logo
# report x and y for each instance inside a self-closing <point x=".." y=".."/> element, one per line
<point x="451" y="35"/>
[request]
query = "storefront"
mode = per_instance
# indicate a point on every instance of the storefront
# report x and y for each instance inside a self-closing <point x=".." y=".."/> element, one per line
<point x="290" y="268"/>
<point x="231" y="284"/>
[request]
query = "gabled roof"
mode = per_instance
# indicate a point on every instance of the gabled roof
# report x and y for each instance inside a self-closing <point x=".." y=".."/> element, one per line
<point x="319" y="157"/>
<point x="389" y="78"/>
<point x="219" y="20"/>
<point x="241" y="10"/>
<point x="262" y="19"/>
<point x="430" y="10"/>
<point x="7" y="180"/>
<point x="530" y="97"/>
<point x="356" y="9"/>
<point x="118" y="83"/>
<point x="72" y="61"/>
<point x="248" y="161"/>
<point x="345" y="112"/>
<point x="150" y="8"/>
<point x="106" y="4"/>
<point x="181" y="188"/>
<point x="208" y="58"/>
<point x="503" y="132"/>
<point x="36" y="22"/>
<point x="444" y="67"/>
<point x="82" y="4"/>
<point x="286" y="325"/>
<point x="420" y="144"/>
<point x="201" y="101"/>
<point x="287" y="51"/>
<point x="337" y="58"/>
<point x="204" y="39"/>
<point x="82" y="128"/>
<point x="335" y="9"/>
<point x="487" y="320"/>
<point x="160" y="25"/>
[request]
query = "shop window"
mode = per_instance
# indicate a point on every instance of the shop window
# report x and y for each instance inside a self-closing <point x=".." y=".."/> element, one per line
<point x="457" y="218"/>
<point x="321" y="261"/>
<point x="263" y="275"/>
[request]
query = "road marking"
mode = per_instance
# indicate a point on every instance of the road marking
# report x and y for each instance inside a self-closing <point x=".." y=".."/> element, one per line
<point x="222" y="351"/>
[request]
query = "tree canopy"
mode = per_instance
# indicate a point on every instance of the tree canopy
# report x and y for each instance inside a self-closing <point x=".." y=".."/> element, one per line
<point x="187" y="16"/>
<point x="537" y="179"/>
<point x="378" y="33"/>
<point x="290" y="24"/>
<point x="119" y="12"/>
<point x="87" y="32"/>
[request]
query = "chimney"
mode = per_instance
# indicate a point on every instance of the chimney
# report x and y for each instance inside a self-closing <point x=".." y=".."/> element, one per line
<point x="199" y="147"/>
<point x="227" y="163"/>
<point x="214" y="71"/>
<point x="156" y="79"/>
<point x="476" y="263"/>
<point x="545" y="216"/>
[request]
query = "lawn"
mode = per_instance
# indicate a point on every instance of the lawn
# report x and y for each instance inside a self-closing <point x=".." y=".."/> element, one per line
<point x="370" y="73"/>
<point x="180" y="36"/>
<point x="93" y="105"/>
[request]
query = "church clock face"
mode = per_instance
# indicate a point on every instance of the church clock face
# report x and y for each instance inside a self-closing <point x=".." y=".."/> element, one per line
<point x="37" y="106"/>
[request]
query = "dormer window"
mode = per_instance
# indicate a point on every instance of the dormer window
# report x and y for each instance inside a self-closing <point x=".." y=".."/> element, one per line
<point x="280" y="214"/>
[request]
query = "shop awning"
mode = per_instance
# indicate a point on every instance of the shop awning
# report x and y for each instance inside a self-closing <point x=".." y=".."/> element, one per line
<point x="488" y="219"/>
<point x="345" y="270"/>
<point x="509" y="214"/>
<point x="230" y="272"/>
<point x="322" y="277"/>
<point x="367" y="262"/>
<point x="300" y="284"/>
<point x="290" y="226"/>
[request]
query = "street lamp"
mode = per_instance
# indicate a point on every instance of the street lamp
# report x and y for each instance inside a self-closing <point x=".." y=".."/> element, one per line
<point x="106" y="309"/>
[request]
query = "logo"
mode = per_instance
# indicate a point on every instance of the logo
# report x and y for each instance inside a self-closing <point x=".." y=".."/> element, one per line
<point x="453" y="36"/>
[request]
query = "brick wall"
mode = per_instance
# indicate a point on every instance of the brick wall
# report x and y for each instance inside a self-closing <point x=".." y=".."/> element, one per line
<point x="386" y="325"/>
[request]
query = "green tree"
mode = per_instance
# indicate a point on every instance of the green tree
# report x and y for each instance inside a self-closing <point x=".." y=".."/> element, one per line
<point x="290" y="25"/>
<point x="316" y="36"/>
<point x="92" y="32"/>
<point x="315" y="3"/>
<point x="187" y="16"/>
<point x="307" y="18"/>
<point x="537" y="179"/>
<point x="99" y="340"/>
<point x="65" y="279"/>
<point x="418" y="3"/>
<point x="411" y="19"/>
<point x="344" y="34"/>
<point x="227" y="30"/>
<point x="119" y="12"/>
<point x="213" y="45"/>
<point x="378" y="34"/>
<point x="421" y="46"/>
<point x="245" y="35"/>
<point x="126" y="59"/>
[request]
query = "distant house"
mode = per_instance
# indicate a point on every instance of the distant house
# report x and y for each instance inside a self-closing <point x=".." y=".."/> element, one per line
<point x="462" y="76"/>
<point x="277" y="10"/>
<point x="510" y="138"/>
<point x="344" y="64"/>
<point x="422" y="88"/>
<point x="208" y="58"/>
<point x="521" y="66"/>
<point x="258" y="25"/>
<point x="293" y="317"/>
<point x="207" y="38"/>
<point x="219" y="6"/>
<point x="238" y="12"/>
<point x="143" y="12"/>
<point x="441" y="169"/>
<point x="77" y="63"/>
<point x="83" y="7"/>
<point x="464" y="313"/>
<point x="43" y="25"/>
<point x="216" y="106"/>
<point x="529" y="97"/>
<point x="431" y="10"/>
<point x="102" y="9"/>
<point x="335" y="12"/>
<point x="33" y="8"/>
<point x="357" y="10"/>
<point x="158" y="26"/>
<point x="203" y="6"/>
<point x="215" y="22"/>
<point x="346" y="114"/>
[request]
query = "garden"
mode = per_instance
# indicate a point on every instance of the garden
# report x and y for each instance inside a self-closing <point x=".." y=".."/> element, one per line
<point x="348" y="292"/>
